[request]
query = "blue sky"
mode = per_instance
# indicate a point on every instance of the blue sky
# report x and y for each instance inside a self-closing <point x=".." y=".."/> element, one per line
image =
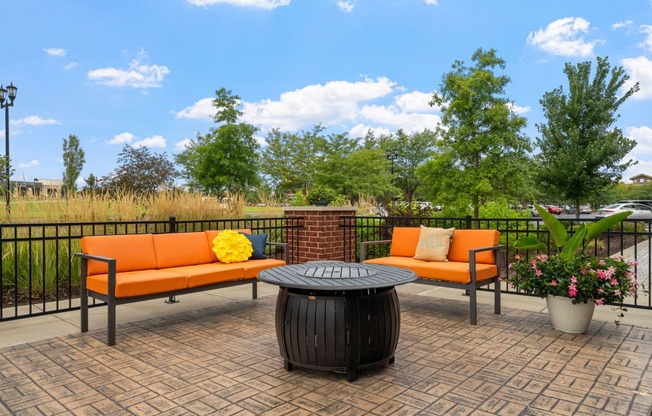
<point x="144" y="72"/>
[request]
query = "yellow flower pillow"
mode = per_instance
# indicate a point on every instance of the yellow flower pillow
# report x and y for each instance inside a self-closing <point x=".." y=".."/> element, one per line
<point x="434" y="243"/>
<point x="232" y="247"/>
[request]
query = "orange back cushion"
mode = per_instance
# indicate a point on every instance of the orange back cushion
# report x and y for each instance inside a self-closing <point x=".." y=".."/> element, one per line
<point x="465" y="240"/>
<point x="181" y="249"/>
<point x="211" y="234"/>
<point x="132" y="252"/>
<point x="404" y="241"/>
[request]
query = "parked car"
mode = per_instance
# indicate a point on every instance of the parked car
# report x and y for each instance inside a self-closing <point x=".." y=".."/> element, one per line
<point x="554" y="209"/>
<point x="647" y="202"/>
<point x="639" y="211"/>
<point x="584" y="209"/>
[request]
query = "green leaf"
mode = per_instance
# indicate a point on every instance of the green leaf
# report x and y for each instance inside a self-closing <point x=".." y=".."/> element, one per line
<point x="556" y="228"/>
<point x="597" y="228"/>
<point x="573" y="243"/>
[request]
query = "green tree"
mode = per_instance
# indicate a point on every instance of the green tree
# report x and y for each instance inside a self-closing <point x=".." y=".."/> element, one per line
<point x="73" y="162"/>
<point x="581" y="152"/>
<point x="225" y="159"/>
<point x="139" y="171"/>
<point x="413" y="151"/>
<point x="353" y="170"/>
<point x="480" y="147"/>
<point x="290" y="160"/>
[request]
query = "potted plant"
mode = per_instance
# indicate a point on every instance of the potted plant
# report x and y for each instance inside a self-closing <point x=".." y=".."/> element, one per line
<point x="572" y="281"/>
<point x="320" y="195"/>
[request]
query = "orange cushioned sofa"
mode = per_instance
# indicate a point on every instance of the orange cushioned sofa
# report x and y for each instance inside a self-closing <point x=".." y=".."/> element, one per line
<point x="121" y="269"/>
<point x="472" y="260"/>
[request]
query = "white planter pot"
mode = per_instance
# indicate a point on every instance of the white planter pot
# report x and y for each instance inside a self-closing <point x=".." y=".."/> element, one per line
<point x="569" y="317"/>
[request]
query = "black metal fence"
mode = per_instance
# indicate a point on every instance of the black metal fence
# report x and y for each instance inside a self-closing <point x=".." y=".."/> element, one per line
<point x="40" y="274"/>
<point x="630" y="239"/>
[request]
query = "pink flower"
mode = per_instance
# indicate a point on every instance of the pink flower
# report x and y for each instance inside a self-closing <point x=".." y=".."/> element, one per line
<point x="602" y="262"/>
<point x="572" y="291"/>
<point x="573" y="280"/>
<point x="553" y="282"/>
<point x="599" y="301"/>
<point x="538" y="272"/>
<point x="517" y="257"/>
<point x="617" y="292"/>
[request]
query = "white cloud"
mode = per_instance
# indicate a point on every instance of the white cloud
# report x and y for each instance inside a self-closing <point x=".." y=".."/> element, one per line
<point x="517" y="109"/>
<point x="432" y="2"/>
<point x="34" y="163"/>
<point x="152" y="141"/>
<point x="647" y="43"/>
<point x="256" y="4"/>
<point x="35" y="121"/>
<point x="138" y="75"/>
<point x="564" y="37"/>
<point x="201" y="109"/>
<point x="346" y="6"/>
<point x="415" y="101"/>
<point x="331" y="103"/>
<point x="360" y="130"/>
<point x="70" y="66"/>
<point x="625" y="24"/>
<point x="55" y="51"/>
<point x="641" y="153"/>
<point x="392" y="116"/>
<point x="339" y="104"/>
<point x="122" y="138"/>
<point x="640" y="70"/>
<point x="182" y="145"/>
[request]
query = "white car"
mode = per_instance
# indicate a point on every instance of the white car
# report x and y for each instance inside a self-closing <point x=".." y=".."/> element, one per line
<point x="639" y="211"/>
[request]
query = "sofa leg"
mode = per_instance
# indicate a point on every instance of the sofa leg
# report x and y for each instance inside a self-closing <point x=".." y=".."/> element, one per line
<point x="473" y="294"/>
<point x="254" y="289"/>
<point x="111" y="324"/>
<point x="497" y="297"/>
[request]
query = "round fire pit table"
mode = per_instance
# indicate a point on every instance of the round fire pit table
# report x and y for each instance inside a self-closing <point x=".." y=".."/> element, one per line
<point x="337" y="316"/>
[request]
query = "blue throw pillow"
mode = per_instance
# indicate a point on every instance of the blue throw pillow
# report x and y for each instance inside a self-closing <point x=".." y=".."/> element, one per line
<point x="258" y="242"/>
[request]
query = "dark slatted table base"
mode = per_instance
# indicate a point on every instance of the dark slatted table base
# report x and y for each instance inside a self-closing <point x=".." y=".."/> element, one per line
<point x="337" y="330"/>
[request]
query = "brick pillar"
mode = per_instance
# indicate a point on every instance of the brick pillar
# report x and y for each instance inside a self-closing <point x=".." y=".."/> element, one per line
<point x="321" y="237"/>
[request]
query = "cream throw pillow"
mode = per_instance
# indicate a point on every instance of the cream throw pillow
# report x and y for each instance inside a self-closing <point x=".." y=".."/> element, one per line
<point x="434" y="243"/>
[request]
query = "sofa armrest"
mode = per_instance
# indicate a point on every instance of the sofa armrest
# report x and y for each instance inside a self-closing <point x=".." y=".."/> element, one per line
<point x="474" y="251"/>
<point x="364" y="244"/>
<point x="111" y="263"/>
<point x="283" y="246"/>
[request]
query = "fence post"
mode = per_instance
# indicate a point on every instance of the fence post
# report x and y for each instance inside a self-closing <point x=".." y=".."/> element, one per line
<point x="469" y="224"/>
<point x="172" y="224"/>
<point x="320" y="237"/>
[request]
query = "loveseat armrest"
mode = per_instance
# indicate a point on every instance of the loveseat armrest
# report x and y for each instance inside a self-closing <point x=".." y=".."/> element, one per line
<point x="364" y="244"/>
<point x="283" y="246"/>
<point x="111" y="265"/>
<point x="474" y="251"/>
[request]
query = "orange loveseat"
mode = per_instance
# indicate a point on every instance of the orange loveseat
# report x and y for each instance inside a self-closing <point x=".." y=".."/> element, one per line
<point x="121" y="269"/>
<point x="473" y="261"/>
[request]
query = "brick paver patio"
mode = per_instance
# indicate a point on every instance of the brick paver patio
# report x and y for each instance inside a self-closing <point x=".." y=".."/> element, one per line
<point x="224" y="360"/>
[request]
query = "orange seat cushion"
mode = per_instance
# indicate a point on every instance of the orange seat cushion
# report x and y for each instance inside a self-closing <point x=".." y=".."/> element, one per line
<point x="396" y="261"/>
<point x="132" y="252"/>
<point x="211" y="234"/>
<point x="404" y="241"/>
<point x="465" y="240"/>
<point x="209" y="273"/>
<point x="253" y="267"/>
<point x="454" y="271"/>
<point x="138" y="283"/>
<point x="181" y="249"/>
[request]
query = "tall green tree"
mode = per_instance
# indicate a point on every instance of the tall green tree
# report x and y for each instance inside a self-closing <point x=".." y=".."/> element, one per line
<point x="290" y="160"/>
<point x="73" y="162"/>
<point x="139" y="171"/>
<point x="480" y="148"/>
<point x="410" y="151"/>
<point x="582" y="153"/>
<point x="226" y="158"/>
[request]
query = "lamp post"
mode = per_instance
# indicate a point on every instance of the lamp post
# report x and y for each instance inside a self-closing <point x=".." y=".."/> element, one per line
<point x="392" y="156"/>
<point x="10" y="91"/>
